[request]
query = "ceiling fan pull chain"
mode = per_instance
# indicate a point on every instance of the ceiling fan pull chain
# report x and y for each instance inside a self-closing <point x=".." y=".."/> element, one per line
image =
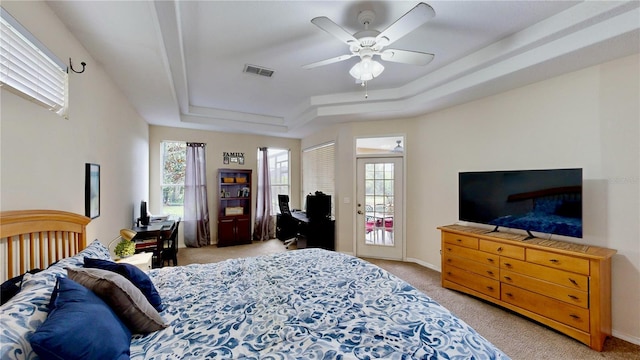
<point x="366" y="90"/>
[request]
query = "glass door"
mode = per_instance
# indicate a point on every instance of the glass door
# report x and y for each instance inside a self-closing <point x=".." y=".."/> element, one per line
<point x="379" y="207"/>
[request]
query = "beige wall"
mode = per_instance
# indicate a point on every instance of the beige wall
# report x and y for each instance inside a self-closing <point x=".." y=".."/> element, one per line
<point x="43" y="155"/>
<point x="588" y="119"/>
<point x="217" y="143"/>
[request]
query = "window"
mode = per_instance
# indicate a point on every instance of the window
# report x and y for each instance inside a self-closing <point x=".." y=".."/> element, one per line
<point x="29" y="69"/>
<point x="318" y="168"/>
<point x="174" y="160"/>
<point x="380" y="145"/>
<point x="278" y="174"/>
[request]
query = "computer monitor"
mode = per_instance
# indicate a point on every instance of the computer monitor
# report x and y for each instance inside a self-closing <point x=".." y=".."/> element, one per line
<point x="318" y="206"/>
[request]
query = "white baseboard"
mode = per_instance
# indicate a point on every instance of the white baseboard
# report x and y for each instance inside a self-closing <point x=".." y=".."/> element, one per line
<point x="423" y="263"/>
<point x="626" y="337"/>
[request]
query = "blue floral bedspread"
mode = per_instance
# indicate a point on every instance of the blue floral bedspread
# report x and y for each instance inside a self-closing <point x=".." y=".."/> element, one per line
<point x="303" y="304"/>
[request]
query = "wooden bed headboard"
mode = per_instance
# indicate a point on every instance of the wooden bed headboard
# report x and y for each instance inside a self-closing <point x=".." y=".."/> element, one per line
<point x="31" y="239"/>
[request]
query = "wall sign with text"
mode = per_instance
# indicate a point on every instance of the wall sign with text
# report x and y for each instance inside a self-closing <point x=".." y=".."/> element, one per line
<point x="233" y="158"/>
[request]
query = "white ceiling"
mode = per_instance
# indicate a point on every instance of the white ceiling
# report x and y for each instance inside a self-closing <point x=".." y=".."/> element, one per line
<point x="181" y="62"/>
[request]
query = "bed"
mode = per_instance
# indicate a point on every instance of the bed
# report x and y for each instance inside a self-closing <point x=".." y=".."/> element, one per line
<point x="302" y="304"/>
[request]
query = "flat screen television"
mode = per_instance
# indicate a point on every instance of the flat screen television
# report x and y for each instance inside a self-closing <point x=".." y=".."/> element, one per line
<point x="546" y="201"/>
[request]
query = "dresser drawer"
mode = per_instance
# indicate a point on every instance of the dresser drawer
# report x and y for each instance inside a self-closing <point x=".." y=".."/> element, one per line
<point x="512" y="251"/>
<point x="461" y="240"/>
<point x="571" y="315"/>
<point x="472" y="281"/>
<point x="558" y="261"/>
<point x="560" y="277"/>
<point x="475" y="255"/>
<point x="489" y="271"/>
<point x="568" y="295"/>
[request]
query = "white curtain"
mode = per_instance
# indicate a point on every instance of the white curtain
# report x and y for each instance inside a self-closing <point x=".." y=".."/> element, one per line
<point x="264" y="227"/>
<point x="196" y="210"/>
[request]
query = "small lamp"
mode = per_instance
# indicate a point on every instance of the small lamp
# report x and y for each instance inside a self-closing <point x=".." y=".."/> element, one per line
<point x="126" y="247"/>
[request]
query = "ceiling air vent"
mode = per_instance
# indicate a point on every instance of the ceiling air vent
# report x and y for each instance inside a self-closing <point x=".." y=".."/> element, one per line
<point x="252" y="69"/>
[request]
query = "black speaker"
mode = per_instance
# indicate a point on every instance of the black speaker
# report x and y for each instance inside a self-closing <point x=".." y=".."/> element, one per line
<point x="144" y="216"/>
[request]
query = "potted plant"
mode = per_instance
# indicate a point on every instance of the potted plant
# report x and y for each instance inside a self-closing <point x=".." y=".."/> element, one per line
<point x="125" y="248"/>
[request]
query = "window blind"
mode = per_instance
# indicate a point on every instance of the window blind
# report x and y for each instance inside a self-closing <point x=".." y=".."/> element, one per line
<point x="318" y="170"/>
<point x="29" y="69"/>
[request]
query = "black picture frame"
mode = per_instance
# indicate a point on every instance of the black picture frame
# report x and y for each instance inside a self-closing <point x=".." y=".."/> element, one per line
<point x="92" y="190"/>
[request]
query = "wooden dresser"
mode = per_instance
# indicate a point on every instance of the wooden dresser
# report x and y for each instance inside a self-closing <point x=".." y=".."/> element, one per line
<point x="566" y="286"/>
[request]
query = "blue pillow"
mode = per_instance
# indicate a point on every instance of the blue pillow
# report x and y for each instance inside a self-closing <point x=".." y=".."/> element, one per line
<point x="78" y="325"/>
<point x="133" y="274"/>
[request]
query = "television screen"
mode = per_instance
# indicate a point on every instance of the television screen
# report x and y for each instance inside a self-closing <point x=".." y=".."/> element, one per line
<point x="547" y="201"/>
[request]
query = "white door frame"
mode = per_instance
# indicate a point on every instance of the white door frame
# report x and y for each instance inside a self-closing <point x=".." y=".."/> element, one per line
<point x="359" y="246"/>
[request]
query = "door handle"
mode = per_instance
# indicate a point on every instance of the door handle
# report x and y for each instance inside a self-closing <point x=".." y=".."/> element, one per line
<point x="360" y="212"/>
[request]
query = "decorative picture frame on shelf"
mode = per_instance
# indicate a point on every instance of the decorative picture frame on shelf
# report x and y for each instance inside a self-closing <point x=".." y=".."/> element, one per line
<point x="92" y="190"/>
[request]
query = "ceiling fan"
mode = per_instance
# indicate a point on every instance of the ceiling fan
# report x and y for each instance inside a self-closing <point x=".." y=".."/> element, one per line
<point x="368" y="42"/>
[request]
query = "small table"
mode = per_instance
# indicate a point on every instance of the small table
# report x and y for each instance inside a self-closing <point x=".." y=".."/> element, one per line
<point x="142" y="261"/>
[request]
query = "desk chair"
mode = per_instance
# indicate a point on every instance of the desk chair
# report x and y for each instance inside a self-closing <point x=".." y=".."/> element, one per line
<point x="169" y="251"/>
<point x="288" y="226"/>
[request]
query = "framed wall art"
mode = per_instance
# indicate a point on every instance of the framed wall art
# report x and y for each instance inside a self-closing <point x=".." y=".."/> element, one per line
<point x="92" y="190"/>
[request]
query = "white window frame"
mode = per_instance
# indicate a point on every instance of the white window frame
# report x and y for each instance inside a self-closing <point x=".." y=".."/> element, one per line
<point x="275" y="168"/>
<point x="163" y="185"/>
<point x="30" y="70"/>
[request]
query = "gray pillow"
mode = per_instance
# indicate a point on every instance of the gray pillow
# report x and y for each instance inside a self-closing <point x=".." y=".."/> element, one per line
<point x="126" y="300"/>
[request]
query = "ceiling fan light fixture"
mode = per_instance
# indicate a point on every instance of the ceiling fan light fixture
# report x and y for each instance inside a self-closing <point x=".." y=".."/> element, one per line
<point x="398" y="148"/>
<point x="366" y="69"/>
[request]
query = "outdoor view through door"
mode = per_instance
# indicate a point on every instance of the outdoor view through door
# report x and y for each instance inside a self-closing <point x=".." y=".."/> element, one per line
<point x="379" y="198"/>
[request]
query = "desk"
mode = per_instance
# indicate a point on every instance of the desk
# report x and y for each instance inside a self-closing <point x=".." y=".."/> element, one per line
<point x="314" y="233"/>
<point x="149" y="238"/>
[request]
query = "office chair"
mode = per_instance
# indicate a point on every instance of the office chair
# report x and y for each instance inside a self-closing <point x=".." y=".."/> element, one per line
<point x="287" y="226"/>
<point x="169" y="251"/>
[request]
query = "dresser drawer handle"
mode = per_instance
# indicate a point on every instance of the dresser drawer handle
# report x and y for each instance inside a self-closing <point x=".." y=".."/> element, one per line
<point x="573" y="297"/>
<point x="490" y="288"/>
<point x="490" y="260"/>
<point x="573" y="282"/>
<point x="499" y="249"/>
<point x="449" y="260"/>
<point x="490" y="272"/>
<point x="508" y="278"/>
<point x="507" y="265"/>
<point x="574" y="316"/>
<point x="509" y="294"/>
<point x="459" y="240"/>
<point x="555" y="261"/>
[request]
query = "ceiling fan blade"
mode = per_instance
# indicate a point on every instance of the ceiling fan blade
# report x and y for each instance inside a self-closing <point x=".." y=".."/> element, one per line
<point x="334" y="29"/>
<point x="406" y="56"/>
<point x="410" y="21"/>
<point x="328" y="61"/>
